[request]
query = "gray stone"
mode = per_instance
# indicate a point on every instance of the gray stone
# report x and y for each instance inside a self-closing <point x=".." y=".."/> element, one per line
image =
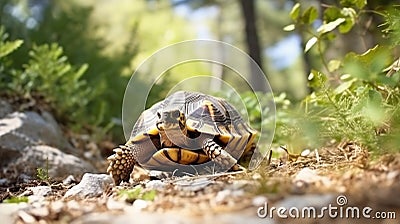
<point x="24" y="178"/>
<point x="5" y="108"/>
<point x="192" y="184"/>
<point x="58" y="163"/>
<point x="29" y="140"/>
<point x="4" y="181"/>
<point x="21" y="129"/>
<point x="91" y="185"/>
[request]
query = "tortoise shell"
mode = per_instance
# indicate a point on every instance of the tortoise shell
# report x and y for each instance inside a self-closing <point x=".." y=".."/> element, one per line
<point x="186" y="132"/>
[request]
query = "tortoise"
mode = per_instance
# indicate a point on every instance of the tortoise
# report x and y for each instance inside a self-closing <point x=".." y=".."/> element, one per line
<point x="185" y="133"/>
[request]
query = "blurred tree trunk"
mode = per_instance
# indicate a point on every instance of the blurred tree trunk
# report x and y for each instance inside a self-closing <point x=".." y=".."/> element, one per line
<point x="253" y="44"/>
<point x="217" y="69"/>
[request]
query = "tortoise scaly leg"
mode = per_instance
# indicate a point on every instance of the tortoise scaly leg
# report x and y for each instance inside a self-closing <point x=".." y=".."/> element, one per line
<point x="121" y="164"/>
<point x="218" y="155"/>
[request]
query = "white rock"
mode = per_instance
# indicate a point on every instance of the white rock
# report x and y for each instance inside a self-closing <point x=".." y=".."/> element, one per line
<point x="256" y="176"/>
<point x="40" y="191"/>
<point x="140" y="204"/>
<point x="310" y="176"/>
<point x="222" y="195"/>
<point x="156" y="185"/>
<point x="39" y="212"/>
<point x="69" y="180"/>
<point x="307" y="175"/>
<point x="26" y="218"/>
<point x="73" y="205"/>
<point x="309" y="200"/>
<point x="91" y="185"/>
<point x="57" y="206"/>
<point x="305" y="152"/>
<point x="114" y="204"/>
<point x="259" y="200"/>
<point x="225" y="195"/>
<point x="238" y="184"/>
<point x="393" y="175"/>
<point x="8" y="210"/>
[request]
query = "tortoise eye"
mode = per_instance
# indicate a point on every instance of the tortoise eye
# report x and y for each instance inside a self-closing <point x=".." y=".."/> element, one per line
<point x="176" y="114"/>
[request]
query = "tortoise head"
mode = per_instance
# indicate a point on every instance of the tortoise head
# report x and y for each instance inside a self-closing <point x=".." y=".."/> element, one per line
<point x="171" y="120"/>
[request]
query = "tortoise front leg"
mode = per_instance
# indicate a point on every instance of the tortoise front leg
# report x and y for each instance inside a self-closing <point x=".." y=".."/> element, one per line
<point x="121" y="164"/>
<point x="218" y="155"/>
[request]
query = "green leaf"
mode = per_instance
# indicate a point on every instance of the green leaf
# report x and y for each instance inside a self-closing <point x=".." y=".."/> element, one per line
<point x="345" y="77"/>
<point x="295" y="12"/>
<point x="16" y="199"/>
<point x="351" y="3"/>
<point x="331" y="14"/>
<point x="9" y="46"/>
<point x="311" y="42"/>
<point x="375" y="97"/>
<point x="344" y="86"/>
<point x="346" y="26"/>
<point x="325" y="28"/>
<point x="390" y="81"/>
<point x="290" y="27"/>
<point x="373" y="109"/>
<point x="369" y="65"/>
<point x="349" y="12"/>
<point x="149" y="195"/>
<point x="310" y="15"/>
<point x="350" y="16"/>
<point x="333" y="65"/>
<point x="78" y="74"/>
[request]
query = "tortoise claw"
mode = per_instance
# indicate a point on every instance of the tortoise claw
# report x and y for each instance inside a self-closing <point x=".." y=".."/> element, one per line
<point x="121" y="164"/>
<point x="218" y="155"/>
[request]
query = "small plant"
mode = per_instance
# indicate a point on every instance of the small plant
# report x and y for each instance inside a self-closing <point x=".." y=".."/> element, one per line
<point x="133" y="194"/>
<point x="7" y="47"/>
<point x="43" y="173"/>
<point x="16" y="199"/>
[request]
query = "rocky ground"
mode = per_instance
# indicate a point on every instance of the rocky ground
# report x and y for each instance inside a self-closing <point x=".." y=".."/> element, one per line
<point x="49" y="178"/>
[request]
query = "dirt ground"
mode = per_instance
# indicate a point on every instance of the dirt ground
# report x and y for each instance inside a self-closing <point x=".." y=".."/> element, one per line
<point x="342" y="170"/>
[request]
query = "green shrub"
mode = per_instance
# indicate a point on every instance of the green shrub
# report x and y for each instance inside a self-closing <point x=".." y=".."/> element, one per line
<point x="47" y="73"/>
<point x="363" y="104"/>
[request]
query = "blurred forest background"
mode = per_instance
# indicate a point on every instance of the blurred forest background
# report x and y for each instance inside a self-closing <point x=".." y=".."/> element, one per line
<point x="80" y="55"/>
